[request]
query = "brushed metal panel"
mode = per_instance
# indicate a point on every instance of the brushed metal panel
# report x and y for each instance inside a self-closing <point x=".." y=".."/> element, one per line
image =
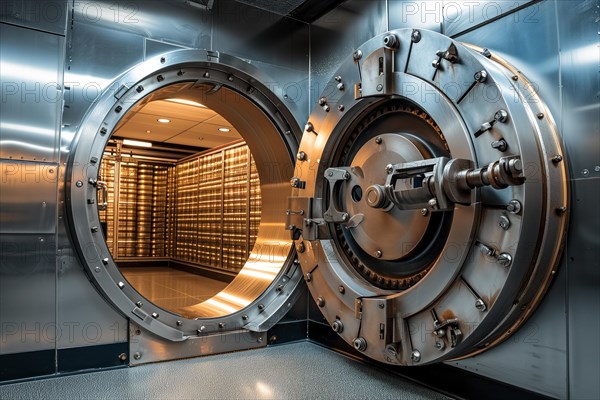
<point x="536" y="54"/>
<point x="416" y="14"/>
<point x="458" y="16"/>
<point x="27" y="197"/>
<point x="96" y="56"/>
<point x="277" y="45"/>
<point x="31" y="93"/>
<point x="84" y="317"/>
<point x="27" y="292"/>
<point x="336" y="35"/>
<point x="43" y="15"/>
<point x="153" y="48"/>
<point x="579" y="60"/>
<point x="174" y="22"/>
<point x="584" y="297"/>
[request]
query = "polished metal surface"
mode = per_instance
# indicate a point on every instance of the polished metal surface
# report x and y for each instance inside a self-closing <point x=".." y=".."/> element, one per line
<point x="262" y="374"/>
<point x="43" y="15"/>
<point x="32" y="94"/>
<point x="246" y="302"/>
<point x="462" y="301"/>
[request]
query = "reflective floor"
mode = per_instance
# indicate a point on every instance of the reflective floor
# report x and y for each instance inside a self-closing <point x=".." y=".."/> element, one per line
<point x="295" y="371"/>
<point x="171" y="288"/>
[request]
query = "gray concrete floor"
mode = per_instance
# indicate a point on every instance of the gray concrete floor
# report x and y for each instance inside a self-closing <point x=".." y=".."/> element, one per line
<point x="294" y="371"/>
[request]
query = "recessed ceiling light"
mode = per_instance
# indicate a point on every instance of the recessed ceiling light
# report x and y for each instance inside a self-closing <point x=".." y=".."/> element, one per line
<point x="224" y="129"/>
<point x="137" y="143"/>
<point x="163" y="120"/>
<point x="187" y="102"/>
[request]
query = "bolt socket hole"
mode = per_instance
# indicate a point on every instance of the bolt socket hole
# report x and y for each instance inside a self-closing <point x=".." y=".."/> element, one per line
<point x="357" y="193"/>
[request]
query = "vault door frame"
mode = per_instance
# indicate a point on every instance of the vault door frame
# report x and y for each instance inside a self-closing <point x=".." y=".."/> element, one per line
<point x="169" y="333"/>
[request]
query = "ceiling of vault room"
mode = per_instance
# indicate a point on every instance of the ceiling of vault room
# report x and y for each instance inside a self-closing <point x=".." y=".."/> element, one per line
<point x="189" y="125"/>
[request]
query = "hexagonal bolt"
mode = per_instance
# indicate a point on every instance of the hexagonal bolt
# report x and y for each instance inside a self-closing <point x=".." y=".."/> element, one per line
<point x="321" y="302"/>
<point x="337" y="326"/>
<point x="513" y="206"/>
<point x="435" y="64"/>
<point x="440" y="345"/>
<point x="504" y="222"/>
<point x="155" y="315"/>
<point x="301" y="156"/>
<point x="415" y="356"/>
<point x="480" y="76"/>
<point x="360" y="344"/>
<point x="500" y="145"/>
<point x="121" y="285"/>
<point x="504" y="259"/>
<point x="501" y="116"/>
<point x="480" y="305"/>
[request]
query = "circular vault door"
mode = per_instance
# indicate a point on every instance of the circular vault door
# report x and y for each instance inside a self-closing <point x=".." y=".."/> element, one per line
<point x="430" y="199"/>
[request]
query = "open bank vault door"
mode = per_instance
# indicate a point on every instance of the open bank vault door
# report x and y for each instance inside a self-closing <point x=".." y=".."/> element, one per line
<point x="265" y="285"/>
<point x="430" y="199"/>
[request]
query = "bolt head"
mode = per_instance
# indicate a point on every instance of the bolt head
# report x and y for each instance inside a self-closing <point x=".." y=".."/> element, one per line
<point x="480" y="305"/>
<point x="301" y="156"/>
<point x="357" y="55"/>
<point x="308" y="277"/>
<point x="342" y="289"/>
<point x="415" y="356"/>
<point x="309" y="127"/>
<point x="378" y="140"/>
<point x="378" y="254"/>
<point x="137" y="355"/>
<point x="416" y="36"/>
<point x="440" y="345"/>
<point x="424" y="212"/>
<point x="389" y="168"/>
<point x="79" y="184"/>
<point x="481" y="76"/>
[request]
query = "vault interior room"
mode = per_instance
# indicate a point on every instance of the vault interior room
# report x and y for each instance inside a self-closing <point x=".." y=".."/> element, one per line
<point x="299" y="199"/>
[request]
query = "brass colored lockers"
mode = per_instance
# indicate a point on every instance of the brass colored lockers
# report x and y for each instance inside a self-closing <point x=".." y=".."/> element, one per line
<point x="202" y="210"/>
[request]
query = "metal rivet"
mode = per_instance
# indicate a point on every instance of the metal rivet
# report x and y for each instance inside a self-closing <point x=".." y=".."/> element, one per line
<point x="261" y="306"/>
<point x="123" y="357"/>
<point x="415" y="356"/>
<point x="424" y="212"/>
<point x="379" y="87"/>
<point x="357" y="55"/>
<point x="378" y="254"/>
<point x="486" y="53"/>
<point x="515" y="78"/>
<point x="440" y="345"/>
<point x="94" y="160"/>
<point x="504" y="259"/>
<point x="139" y="89"/>
<point x="230" y="78"/>
<point x="540" y="115"/>
<point x="103" y="131"/>
<point x="322" y="101"/>
<point x="337" y="326"/>
<point x="121" y="285"/>
<point x="389" y="168"/>
<point x="97" y="269"/>
<point x="105" y="261"/>
<point x="137" y="355"/>
<point x="561" y="210"/>
<point x="341" y="107"/>
<point x="416" y="36"/>
<point x="154" y="315"/>
<point x="94" y="229"/>
<point x="207" y="74"/>
<point x="118" y="109"/>
<point x="79" y="184"/>
<point x="340" y="86"/>
<point x="160" y="78"/>
<point x="139" y="303"/>
<point x="201" y="330"/>
<point x="381" y="305"/>
<point x="178" y="323"/>
<point x="360" y="344"/>
<point x="301" y="156"/>
<point x="504" y="222"/>
<point x="338" y="78"/>
<point x="309" y="127"/>
<point x="245" y="317"/>
<point x="221" y="325"/>
<point x="321" y="302"/>
<point x="308" y="277"/>
<point x="91" y="201"/>
<point x="180" y="72"/>
<point x="557" y="158"/>
<point x="326" y="108"/>
<point x="480" y="76"/>
<point x="341" y="289"/>
<point x="514" y="206"/>
<point x="378" y="140"/>
<point x="435" y="64"/>
<point x="501" y="116"/>
<point x="162" y="60"/>
<point x="480" y="305"/>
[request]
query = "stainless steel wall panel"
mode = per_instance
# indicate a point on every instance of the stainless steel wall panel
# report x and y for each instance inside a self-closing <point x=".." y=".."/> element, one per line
<point x="458" y="16"/>
<point x="277" y="45"/>
<point x="31" y="93"/>
<point x="154" y="48"/>
<point x="84" y="318"/>
<point x="584" y="297"/>
<point x="28" y="197"/>
<point x="337" y="34"/>
<point x="175" y="21"/>
<point x="44" y="15"/>
<point x="579" y="60"/>
<point x="27" y="292"/>
<point x="416" y="14"/>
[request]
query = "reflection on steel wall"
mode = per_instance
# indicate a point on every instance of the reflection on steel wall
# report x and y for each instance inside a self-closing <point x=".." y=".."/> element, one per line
<point x="203" y="210"/>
